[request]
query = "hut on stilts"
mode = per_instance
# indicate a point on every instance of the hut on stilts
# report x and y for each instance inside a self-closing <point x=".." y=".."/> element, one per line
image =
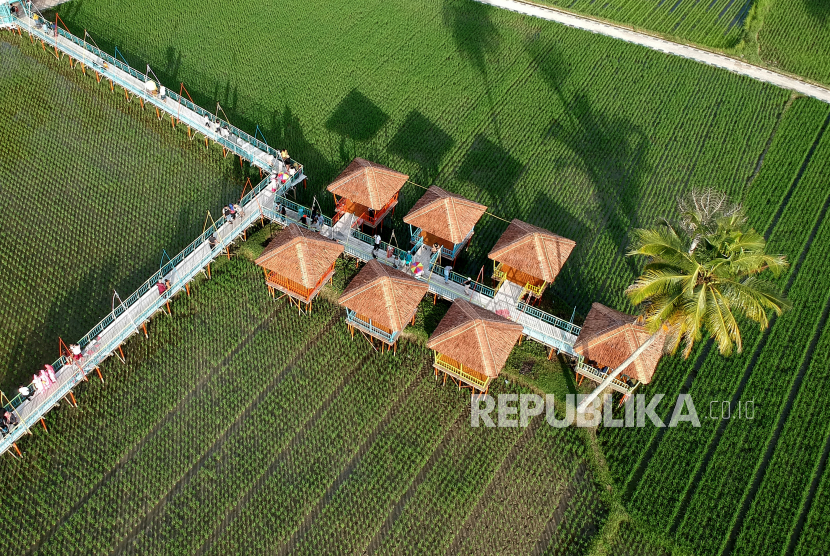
<point x="607" y="339"/>
<point x="471" y="345"/>
<point x="367" y="190"/>
<point x="380" y="302"/>
<point x="297" y="262"/>
<point x="529" y="257"/>
<point x="444" y="220"/>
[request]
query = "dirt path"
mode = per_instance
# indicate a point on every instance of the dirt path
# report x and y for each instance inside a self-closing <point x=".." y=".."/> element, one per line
<point x="700" y="55"/>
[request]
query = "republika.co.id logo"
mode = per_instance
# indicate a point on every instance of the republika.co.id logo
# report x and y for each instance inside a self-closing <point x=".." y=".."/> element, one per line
<point x="516" y="410"/>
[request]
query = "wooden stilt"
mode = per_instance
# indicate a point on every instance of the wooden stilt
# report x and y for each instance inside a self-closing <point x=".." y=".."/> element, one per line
<point x="100" y="376"/>
<point x="187" y="287"/>
<point x="42" y="422"/>
<point x="144" y="326"/>
<point x="188" y="132"/>
<point x="434" y="298"/>
<point x="172" y="121"/>
<point x="208" y="269"/>
<point x="72" y="397"/>
<point x="206" y="142"/>
<point x="112" y="89"/>
<point x="158" y="114"/>
<point x="550" y="354"/>
<point x="167" y="302"/>
<point x="17" y="449"/>
<point x="121" y="351"/>
<point x="98" y="76"/>
<point x="240" y="162"/>
<point x="520" y="340"/>
<point x="126" y="96"/>
<point x="228" y="252"/>
<point x="141" y="100"/>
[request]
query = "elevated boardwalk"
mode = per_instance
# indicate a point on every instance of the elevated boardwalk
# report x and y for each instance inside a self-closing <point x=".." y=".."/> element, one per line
<point x="131" y="315"/>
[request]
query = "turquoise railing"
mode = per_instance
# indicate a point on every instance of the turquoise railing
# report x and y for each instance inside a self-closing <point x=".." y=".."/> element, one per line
<point x="353" y="319"/>
<point x="550" y="319"/>
<point x="438" y="270"/>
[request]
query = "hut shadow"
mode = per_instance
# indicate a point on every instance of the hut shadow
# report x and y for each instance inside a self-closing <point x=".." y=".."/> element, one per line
<point x="420" y="141"/>
<point x="355" y="118"/>
<point x="174" y="62"/>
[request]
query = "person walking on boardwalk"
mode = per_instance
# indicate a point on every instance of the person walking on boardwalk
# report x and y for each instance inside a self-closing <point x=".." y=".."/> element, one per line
<point x="282" y="213"/>
<point x="447" y="270"/>
<point x="377" y="241"/>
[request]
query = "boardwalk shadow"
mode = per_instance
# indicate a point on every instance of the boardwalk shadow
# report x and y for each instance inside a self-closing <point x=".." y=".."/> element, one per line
<point x="71" y="314"/>
<point x="420" y="141"/>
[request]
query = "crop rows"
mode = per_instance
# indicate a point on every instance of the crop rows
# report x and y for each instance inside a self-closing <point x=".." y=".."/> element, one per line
<point x="796" y="38"/>
<point x="624" y="448"/>
<point x="813" y="540"/>
<point x="716" y="23"/>
<point x="723" y="484"/>
<point x="678" y="456"/>
<point x="779" y="500"/>
<point x="95" y="188"/>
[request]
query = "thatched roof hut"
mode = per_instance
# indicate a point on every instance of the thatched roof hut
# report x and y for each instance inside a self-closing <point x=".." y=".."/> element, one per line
<point x="298" y="262"/>
<point x="368" y="184"/>
<point x="472" y="344"/>
<point x="609" y="337"/>
<point x="445" y="215"/>
<point x="526" y="251"/>
<point x="384" y="298"/>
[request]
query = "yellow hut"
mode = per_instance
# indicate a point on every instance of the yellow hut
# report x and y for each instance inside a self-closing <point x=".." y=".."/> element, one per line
<point x="529" y="256"/>
<point x="608" y="338"/>
<point x="472" y="344"/>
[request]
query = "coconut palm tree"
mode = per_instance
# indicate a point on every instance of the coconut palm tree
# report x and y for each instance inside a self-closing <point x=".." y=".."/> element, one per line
<point x="696" y="281"/>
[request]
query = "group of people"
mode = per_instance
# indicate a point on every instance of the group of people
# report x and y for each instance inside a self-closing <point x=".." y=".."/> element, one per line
<point x="8" y="419"/>
<point x="231" y="211"/>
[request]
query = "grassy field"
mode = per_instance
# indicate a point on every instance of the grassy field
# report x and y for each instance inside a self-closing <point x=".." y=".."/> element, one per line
<point x="96" y="189"/>
<point x="576" y="133"/>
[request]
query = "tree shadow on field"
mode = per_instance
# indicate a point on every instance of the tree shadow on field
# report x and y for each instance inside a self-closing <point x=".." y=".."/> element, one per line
<point x="818" y="9"/>
<point x="494" y="171"/>
<point x="611" y="151"/>
<point x="476" y="37"/>
<point x="174" y="62"/>
<point x="356" y="118"/>
<point x="420" y="141"/>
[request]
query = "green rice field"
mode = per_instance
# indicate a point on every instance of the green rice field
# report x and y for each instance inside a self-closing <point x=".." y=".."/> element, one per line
<point x="240" y="426"/>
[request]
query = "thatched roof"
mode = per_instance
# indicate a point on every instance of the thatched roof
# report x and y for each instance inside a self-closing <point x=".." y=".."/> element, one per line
<point x="300" y="255"/>
<point x="387" y="296"/>
<point x="475" y="337"/>
<point x="444" y="214"/>
<point x="368" y="183"/>
<point x="609" y="337"/>
<point x="534" y="251"/>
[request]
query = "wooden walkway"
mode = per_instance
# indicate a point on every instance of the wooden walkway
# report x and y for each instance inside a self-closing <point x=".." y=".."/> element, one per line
<point x="132" y="314"/>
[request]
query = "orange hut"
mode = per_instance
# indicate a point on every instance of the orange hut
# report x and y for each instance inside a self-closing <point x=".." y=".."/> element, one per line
<point x="472" y="344"/>
<point x="444" y="219"/>
<point x="529" y="256"/>
<point x="367" y="190"/>
<point x="298" y="262"/>
<point x="381" y="301"/>
<point x="608" y="338"/>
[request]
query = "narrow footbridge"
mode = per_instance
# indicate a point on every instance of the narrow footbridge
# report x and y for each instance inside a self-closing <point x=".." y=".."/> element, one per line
<point x="129" y="316"/>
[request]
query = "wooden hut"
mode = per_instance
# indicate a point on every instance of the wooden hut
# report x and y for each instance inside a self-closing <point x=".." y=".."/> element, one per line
<point x="367" y="190"/>
<point x="444" y="219"/>
<point x="608" y="338"/>
<point x="471" y="345"/>
<point x="380" y="301"/>
<point x="529" y="256"/>
<point x="298" y="262"/>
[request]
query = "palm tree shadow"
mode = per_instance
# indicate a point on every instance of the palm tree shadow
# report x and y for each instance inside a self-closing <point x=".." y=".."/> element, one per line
<point x="476" y="37"/>
<point x="610" y="150"/>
